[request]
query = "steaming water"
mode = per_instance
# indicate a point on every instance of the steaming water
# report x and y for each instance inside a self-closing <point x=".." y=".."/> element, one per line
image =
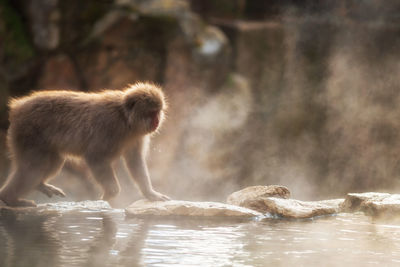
<point x="105" y="237"/>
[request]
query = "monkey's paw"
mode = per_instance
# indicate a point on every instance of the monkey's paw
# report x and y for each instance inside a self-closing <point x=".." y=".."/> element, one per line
<point x="20" y="203"/>
<point x="156" y="196"/>
<point x="50" y="190"/>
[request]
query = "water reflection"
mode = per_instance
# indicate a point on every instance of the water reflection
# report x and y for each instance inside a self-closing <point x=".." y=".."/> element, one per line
<point x="28" y="240"/>
<point x="107" y="238"/>
<point x="99" y="248"/>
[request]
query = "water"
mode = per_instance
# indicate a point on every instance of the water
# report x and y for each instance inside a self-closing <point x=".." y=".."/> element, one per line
<point x="98" y="236"/>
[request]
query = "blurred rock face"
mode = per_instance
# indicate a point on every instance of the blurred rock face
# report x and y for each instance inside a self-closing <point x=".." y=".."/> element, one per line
<point x="304" y="96"/>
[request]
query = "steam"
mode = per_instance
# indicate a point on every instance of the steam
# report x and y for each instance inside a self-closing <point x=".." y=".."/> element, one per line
<point x="331" y="127"/>
<point x="316" y="112"/>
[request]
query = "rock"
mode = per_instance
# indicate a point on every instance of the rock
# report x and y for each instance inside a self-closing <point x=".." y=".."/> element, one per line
<point x="66" y="206"/>
<point x="251" y="197"/>
<point x="61" y="207"/>
<point x="188" y="208"/>
<point x="297" y="209"/>
<point x="274" y="199"/>
<point x="372" y="203"/>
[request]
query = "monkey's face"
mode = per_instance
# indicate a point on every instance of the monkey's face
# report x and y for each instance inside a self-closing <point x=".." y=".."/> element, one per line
<point x="145" y="110"/>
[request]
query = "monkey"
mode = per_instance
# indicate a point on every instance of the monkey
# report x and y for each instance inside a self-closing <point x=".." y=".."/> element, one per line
<point x="48" y="127"/>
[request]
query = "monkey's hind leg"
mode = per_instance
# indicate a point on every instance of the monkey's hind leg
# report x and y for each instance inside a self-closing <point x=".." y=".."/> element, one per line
<point x="14" y="188"/>
<point x="30" y="173"/>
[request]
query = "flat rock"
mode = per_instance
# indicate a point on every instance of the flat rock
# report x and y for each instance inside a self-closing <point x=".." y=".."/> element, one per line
<point x="297" y="209"/>
<point x="374" y="204"/>
<point x="67" y="206"/>
<point x="187" y="208"/>
<point x="61" y="207"/>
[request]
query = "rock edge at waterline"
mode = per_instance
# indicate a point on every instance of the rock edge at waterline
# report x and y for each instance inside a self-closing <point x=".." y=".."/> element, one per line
<point x="188" y="208"/>
<point x="373" y="203"/>
<point x="274" y="199"/>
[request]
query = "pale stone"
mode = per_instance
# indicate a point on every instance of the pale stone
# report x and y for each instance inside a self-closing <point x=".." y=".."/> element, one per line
<point x="253" y="197"/>
<point x="353" y="201"/>
<point x="273" y="199"/>
<point x="62" y="206"/>
<point x="188" y="208"/>
<point x="297" y="209"/>
<point x="372" y="203"/>
<point x="253" y="193"/>
<point x="66" y="206"/>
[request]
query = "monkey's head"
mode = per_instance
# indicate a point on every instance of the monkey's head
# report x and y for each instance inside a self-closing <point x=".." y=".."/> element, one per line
<point x="144" y="106"/>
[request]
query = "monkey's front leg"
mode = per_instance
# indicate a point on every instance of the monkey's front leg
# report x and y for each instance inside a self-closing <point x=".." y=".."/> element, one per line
<point x="50" y="190"/>
<point x="136" y="164"/>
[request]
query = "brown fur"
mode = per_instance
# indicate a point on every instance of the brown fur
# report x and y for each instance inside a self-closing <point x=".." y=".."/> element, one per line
<point x="48" y="126"/>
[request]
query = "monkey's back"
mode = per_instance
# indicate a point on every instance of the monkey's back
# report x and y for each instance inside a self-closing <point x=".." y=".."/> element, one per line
<point x="65" y="122"/>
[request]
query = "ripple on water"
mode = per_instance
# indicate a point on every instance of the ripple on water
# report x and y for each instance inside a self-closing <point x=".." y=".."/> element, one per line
<point x="72" y="237"/>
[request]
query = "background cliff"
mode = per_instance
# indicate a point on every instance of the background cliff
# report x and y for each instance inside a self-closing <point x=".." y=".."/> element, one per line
<point x="299" y="93"/>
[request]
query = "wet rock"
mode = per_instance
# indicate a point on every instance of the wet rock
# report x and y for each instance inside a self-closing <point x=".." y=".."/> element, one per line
<point x="297" y="209"/>
<point x="66" y="206"/>
<point x="372" y="203"/>
<point x="251" y="197"/>
<point x="187" y="208"/>
<point x="274" y="199"/>
<point x="63" y="206"/>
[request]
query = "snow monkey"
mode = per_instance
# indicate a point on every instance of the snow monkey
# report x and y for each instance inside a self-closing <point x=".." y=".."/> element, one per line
<point x="47" y="127"/>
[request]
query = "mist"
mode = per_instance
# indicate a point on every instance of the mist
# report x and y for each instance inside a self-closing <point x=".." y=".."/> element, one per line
<point x="303" y="95"/>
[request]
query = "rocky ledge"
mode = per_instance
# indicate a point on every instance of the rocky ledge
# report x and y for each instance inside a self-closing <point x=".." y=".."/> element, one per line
<point x="254" y="201"/>
<point x="62" y="207"/>
<point x="187" y="208"/>
<point x="250" y="202"/>
<point x="374" y="204"/>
